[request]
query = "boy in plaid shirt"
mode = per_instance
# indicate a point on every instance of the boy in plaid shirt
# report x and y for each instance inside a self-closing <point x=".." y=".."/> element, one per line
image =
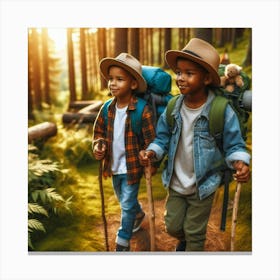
<point x="120" y="144"/>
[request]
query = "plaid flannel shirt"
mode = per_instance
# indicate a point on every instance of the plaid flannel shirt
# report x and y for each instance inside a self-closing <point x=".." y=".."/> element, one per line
<point x="133" y="145"/>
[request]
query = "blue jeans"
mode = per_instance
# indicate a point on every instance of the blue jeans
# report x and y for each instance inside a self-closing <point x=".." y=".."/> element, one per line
<point x="127" y="196"/>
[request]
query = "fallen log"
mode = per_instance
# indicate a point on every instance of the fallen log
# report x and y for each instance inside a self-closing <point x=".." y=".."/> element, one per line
<point x="92" y="107"/>
<point x="83" y="103"/>
<point x="79" y="117"/>
<point x="42" y="130"/>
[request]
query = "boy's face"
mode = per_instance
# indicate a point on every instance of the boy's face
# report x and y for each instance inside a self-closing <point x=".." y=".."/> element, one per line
<point x="191" y="78"/>
<point x="120" y="83"/>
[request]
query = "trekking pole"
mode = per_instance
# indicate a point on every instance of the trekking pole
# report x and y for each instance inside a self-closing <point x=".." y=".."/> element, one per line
<point x="148" y="176"/>
<point x="234" y="214"/>
<point x="102" y="197"/>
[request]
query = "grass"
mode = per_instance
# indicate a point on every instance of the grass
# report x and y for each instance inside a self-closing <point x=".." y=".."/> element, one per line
<point x="79" y="231"/>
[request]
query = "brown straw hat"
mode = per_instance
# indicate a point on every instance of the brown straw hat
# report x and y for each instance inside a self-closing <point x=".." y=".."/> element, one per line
<point x="127" y="62"/>
<point x="200" y="52"/>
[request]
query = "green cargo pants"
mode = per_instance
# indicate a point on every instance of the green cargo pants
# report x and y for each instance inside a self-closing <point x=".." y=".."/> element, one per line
<point x="186" y="218"/>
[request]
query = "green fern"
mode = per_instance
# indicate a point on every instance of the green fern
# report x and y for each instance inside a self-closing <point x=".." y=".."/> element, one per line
<point x="34" y="208"/>
<point x="47" y="195"/>
<point x="40" y="167"/>
<point x="42" y="195"/>
<point x="34" y="224"/>
<point x="30" y="244"/>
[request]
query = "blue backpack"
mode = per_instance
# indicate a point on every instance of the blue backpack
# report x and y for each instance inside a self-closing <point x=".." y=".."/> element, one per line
<point x="156" y="96"/>
<point x="158" y="89"/>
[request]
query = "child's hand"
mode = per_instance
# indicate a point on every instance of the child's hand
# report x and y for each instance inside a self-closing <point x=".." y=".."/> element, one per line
<point x="99" y="150"/>
<point x="145" y="157"/>
<point x="242" y="173"/>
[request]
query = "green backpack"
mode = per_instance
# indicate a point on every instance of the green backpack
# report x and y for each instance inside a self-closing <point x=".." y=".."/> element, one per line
<point x="216" y="115"/>
<point x="240" y="101"/>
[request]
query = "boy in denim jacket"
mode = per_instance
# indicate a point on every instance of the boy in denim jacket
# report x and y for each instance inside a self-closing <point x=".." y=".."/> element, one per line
<point x="120" y="153"/>
<point x="192" y="151"/>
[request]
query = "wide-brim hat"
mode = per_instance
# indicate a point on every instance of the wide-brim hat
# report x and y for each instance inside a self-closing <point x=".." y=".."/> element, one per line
<point x="127" y="62"/>
<point x="198" y="51"/>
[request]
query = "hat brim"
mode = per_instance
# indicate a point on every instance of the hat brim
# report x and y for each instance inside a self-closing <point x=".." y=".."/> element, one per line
<point x="106" y="63"/>
<point x="171" y="59"/>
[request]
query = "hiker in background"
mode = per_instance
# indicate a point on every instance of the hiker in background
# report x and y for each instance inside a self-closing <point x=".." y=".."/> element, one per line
<point x="190" y="174"/>
<point x="121" y="145"/>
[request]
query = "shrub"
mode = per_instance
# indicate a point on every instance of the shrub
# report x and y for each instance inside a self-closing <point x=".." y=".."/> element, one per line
<point x="43" y="197"/>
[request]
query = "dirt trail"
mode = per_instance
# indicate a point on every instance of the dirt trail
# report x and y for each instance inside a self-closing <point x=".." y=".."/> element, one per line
<point x="216" y="239"/>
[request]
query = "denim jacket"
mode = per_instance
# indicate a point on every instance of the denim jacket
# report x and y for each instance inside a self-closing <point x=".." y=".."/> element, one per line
<point x="206" y="154"/>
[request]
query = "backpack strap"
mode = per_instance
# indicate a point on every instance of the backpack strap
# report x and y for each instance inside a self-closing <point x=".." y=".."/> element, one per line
<point x="217" y="118"/>
<point x="216" y="128"/>
<point x="105" y="111"/>
<point x="135" y="115"/>
<point x="169" y="109"/>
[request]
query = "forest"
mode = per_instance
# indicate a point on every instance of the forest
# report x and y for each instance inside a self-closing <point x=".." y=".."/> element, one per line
<point x="65" y="93"/>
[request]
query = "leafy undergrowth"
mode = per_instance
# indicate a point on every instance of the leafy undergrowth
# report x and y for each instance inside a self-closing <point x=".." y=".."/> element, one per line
<point x="82" y="231"/>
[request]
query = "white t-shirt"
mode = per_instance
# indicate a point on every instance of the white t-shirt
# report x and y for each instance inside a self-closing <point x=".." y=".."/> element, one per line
<point x="119" y="158"/>
<point x="184" y="179"/>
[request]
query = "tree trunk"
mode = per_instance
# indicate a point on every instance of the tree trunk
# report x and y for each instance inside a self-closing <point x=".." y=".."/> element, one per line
<point x="218" y="33"/>
<point x="144" y="46"/>
<point x="141" y="46"/>
<point x="134" y="42"/>
<point x="36" y="71"/>
<point x="102" y="50"/>
<point x="233" y="38"/>
<point x="45" y="50"/>
<point x="151" y="43"/>
<point x="71" y="68"/>
<point x="147" y="46"/>
<point x="90" y="74"/>
<point x="30" y="100"/>
<point x="167" y="43"/>
<point x="160" y="53"/>
<point x="188" y="35"/>
<point x="203" y="33"/>
<point x="83" y="64"/>
<point x="111" y="42"/>
<point x="120" y="40"/>
<point x="96" y="74"/>
<point x="182" y="38"/>
<point x="248" y="59"/>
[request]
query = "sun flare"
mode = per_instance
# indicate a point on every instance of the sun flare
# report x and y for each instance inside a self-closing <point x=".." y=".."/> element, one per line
<point x="59" y="36"/>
